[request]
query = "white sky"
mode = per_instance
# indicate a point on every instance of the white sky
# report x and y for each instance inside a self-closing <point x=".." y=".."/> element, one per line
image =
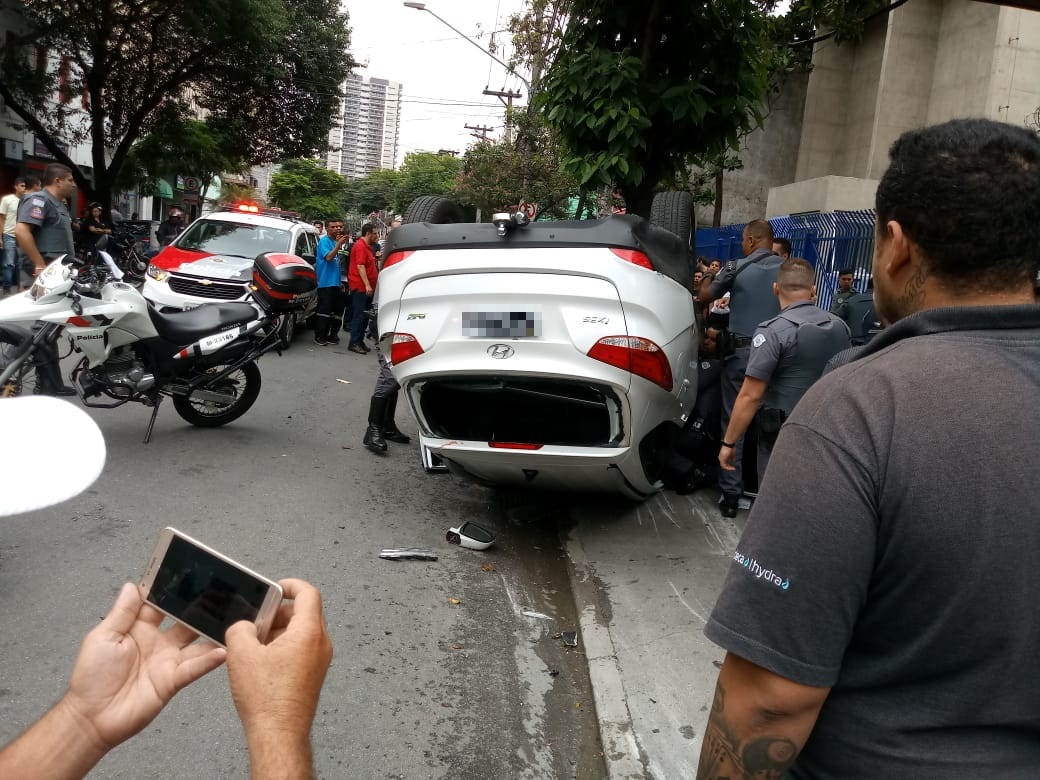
<point x="442" y="75"/>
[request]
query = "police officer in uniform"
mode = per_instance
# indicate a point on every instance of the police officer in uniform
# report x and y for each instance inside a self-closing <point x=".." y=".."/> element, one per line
<point x="788" y="354"/>
<point x="44" y="232"/>
<point x="839" y="303"/>
<point x="750" y="284"/>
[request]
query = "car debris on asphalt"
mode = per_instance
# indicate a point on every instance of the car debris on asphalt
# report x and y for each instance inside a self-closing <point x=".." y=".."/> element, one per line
<point x="408" y="553"/>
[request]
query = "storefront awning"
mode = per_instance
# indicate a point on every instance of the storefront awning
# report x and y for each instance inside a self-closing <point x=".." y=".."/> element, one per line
<point x="163" y="189"/>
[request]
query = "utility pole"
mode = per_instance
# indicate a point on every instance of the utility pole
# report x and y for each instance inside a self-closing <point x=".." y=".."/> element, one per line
<point x="482" y="130"/>
<point x="507" y="100"/>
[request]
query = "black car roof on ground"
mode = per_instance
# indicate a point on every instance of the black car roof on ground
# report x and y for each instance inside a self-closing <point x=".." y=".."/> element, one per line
<point x="666" y="251"/>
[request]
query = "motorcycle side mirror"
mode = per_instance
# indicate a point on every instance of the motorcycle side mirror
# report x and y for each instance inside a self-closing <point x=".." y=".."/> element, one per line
<point x="471" y="536"/>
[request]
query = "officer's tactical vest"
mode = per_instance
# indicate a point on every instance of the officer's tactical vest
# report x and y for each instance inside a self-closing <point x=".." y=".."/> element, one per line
<point x="820" y="337"/>
<point x="752" y="299"/>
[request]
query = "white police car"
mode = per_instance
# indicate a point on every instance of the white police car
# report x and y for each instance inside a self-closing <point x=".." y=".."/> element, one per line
<point x="212" y="259"/>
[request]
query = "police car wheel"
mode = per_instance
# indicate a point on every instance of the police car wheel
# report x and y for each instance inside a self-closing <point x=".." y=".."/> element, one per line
<point x="287" y="331"/>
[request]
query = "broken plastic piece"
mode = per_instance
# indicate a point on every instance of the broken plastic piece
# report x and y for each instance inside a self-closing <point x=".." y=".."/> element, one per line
<point x="532" y="614"/>
<point x="408" y="553"/>
<point x="471" y="536"/>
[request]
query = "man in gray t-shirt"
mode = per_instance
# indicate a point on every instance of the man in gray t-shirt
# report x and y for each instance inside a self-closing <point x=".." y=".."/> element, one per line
<point x="879" y="615"/>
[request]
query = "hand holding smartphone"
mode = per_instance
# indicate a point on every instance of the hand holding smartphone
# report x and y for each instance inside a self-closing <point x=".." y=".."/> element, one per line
<point x="207" y="591"/>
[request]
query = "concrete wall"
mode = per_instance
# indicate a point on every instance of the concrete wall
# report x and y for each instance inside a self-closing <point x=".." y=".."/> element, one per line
<point x="964" y="62"/>
<point x="768" y="155"/>
<point x="925" y="62"/>
<point x="860" y="105"/>
<point x="1015" y="77"/>
<point x="826" y="193"/>
<point x="906" y="77"/>
<point x="826" y="104"/>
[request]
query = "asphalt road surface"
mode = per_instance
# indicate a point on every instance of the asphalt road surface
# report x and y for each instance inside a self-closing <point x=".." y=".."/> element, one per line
<point x="438" y="672"/>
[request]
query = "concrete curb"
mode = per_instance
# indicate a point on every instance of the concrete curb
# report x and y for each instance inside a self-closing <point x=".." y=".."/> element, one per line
<point x="644" y="578"/>
<point x="620" y="747"/>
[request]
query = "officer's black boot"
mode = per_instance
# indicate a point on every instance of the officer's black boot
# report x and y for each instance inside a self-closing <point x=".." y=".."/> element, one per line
<point x="390" y="431"/>
<point x="374" y="435"/>
<point x="729" y="505"/>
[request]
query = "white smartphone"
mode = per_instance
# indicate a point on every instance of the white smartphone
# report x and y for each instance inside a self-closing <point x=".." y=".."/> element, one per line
<point x="207" y="591"/>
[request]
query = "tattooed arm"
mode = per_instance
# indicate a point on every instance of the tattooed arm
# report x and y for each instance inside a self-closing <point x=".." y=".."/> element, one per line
<point x="759" y="722"/>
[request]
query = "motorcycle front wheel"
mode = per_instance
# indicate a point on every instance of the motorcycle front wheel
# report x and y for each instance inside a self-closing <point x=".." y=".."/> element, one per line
<point x="220" y="402"/>
<point x="23" y="381"/>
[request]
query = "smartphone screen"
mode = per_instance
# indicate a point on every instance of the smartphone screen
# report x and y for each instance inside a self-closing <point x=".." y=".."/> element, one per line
<point x="205" y="590"/>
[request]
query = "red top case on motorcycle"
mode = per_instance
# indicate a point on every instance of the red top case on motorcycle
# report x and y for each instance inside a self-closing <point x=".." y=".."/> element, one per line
<point x="283" y="282"/>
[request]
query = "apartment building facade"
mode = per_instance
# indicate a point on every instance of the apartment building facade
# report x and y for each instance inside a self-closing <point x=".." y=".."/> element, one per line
<point x="365" y="134"/>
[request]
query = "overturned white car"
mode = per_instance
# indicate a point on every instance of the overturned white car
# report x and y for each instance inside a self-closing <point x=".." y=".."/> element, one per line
<point x="551" y="354"/>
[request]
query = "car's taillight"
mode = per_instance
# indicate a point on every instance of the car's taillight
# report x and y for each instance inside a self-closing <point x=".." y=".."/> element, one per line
<point x="513" y="445"/>
<point x="640" y="356"/>
<point x="404" y="347"/>
<point x="633" y="256"/>
<point x="397" y="257"/>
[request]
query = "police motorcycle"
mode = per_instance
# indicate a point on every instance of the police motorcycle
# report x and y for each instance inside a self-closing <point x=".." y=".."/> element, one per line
<point x="125" y="250"/>
<point x="203" y="358"/>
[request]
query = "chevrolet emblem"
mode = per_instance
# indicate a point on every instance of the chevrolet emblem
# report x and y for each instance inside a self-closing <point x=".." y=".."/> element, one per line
<point x="205" y="282"/>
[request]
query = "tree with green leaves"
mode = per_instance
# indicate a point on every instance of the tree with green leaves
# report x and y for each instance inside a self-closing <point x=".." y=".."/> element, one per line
<point x="638" y="87"/>
<point x="305" y="186"/>
<point x="181" y="145"/>
<point x="500" y="175"/>
<point x="537" y="34"/>
<point x="424" y="173"/>
<point x="100" y="71"/>
<point x="640" y="90"/>
<point x="373" y="192"/>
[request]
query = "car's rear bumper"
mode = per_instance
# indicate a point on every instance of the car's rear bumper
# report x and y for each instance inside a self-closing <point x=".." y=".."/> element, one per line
<point x="594" y="469"/>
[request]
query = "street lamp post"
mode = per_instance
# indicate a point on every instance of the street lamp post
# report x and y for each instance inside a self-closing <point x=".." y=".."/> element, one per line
<point x="422" y="7"/>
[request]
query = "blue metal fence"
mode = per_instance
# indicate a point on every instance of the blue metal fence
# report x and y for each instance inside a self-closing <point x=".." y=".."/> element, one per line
<point x="831" y="242"/>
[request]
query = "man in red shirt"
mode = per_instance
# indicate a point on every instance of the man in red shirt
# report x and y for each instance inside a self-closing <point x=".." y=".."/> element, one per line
<point x="361" y="280"/>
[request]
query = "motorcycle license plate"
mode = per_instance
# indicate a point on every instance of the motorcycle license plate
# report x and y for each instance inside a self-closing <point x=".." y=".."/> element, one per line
<point x="502" y="325"/>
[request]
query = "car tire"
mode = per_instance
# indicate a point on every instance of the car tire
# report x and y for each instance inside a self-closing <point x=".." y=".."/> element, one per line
<point x="433" y="209"/>
<point x="287" y="331"/>
<point x="673" y="211"/>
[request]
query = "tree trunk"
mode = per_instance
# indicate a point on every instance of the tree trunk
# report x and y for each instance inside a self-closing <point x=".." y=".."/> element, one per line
<point x="639" y="198"/>
<point x="716" y="219"/>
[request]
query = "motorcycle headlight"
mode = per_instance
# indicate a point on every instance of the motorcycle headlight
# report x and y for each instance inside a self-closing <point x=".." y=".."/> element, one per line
<point x="156" y="272"/>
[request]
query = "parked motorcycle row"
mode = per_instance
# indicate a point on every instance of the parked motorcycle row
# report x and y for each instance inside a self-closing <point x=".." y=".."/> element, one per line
<point x="204" y="358"/>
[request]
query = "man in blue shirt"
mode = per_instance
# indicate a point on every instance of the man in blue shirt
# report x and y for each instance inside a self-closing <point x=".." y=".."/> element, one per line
<point x="327" y="264"/>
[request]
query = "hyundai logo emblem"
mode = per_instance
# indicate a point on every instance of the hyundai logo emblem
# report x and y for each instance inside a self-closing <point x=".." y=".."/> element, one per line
<point x="500" y="351"/>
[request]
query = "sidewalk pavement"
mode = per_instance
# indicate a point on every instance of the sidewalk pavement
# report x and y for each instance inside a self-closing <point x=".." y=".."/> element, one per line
<point x="645" y="581"/>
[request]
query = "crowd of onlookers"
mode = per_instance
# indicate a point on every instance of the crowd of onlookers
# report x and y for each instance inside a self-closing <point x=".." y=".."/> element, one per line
<point x="87" y="229"/>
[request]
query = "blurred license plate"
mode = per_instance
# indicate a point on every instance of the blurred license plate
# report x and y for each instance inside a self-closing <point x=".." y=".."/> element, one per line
<point x="502" y="325"/>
